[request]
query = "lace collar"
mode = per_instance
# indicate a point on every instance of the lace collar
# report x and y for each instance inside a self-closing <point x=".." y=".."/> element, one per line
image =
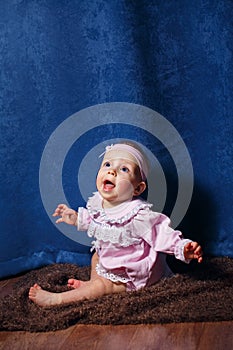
<point x="116" y="215"/>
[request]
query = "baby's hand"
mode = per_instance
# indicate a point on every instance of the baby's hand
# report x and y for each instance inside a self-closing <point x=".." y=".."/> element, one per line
<point x="192" y="250"/>
<point x="69" y="216"/>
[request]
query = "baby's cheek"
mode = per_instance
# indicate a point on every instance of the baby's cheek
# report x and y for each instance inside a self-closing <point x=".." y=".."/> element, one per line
<point x="125" y="186"/>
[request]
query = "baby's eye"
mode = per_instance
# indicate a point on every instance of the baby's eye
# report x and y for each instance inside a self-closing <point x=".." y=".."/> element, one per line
<point x="125" y="169"/>
<point x="107" y="164"/>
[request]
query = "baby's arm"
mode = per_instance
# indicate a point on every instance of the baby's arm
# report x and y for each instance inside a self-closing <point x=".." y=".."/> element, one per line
<point x="69" y="216"/>
<point x="193" y="250"/>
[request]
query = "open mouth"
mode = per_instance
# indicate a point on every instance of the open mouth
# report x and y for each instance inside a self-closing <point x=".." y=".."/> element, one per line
<point x="108" y="185"/>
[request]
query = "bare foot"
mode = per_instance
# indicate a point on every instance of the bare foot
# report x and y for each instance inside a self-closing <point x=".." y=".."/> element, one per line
<point x="44" y="298"/>
<point x="73" y="283"/>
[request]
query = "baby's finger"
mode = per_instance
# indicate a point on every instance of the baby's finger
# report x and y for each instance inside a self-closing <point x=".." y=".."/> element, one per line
<point x="62" y="207"/>
<point x="195" y="246"/>
<point x="198" y="250"/>
<point x="58" y="213"/>
<point x="188" y="246"/>
<point x="59" y="220"/>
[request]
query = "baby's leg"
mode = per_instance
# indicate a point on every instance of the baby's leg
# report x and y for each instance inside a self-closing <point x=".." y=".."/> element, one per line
<point x="91" y="289"/>
<point x="94" y="262"/>
<point x="74" y="283"/>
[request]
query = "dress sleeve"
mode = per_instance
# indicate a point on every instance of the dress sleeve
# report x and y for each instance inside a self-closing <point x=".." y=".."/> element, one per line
<point x="160" y="236"/>
<point x="84" y="219"/>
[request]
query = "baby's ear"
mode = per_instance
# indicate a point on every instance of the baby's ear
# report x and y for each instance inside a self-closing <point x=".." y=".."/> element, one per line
<point x="140" y="188"/>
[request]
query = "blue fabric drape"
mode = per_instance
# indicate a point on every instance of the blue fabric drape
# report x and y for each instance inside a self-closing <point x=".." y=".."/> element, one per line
<point x="59" y="57"/>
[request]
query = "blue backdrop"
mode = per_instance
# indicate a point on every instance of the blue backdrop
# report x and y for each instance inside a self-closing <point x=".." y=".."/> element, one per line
<point x="60" y="57"/>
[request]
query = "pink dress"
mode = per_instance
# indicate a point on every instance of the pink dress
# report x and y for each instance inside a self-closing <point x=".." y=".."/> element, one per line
<point x="131" y="241"/>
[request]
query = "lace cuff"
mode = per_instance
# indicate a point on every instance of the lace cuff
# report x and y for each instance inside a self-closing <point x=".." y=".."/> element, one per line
<point x="179" y="250"/>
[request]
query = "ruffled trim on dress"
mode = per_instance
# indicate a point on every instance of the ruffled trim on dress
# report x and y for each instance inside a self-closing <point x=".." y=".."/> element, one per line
<point x="95" y="210"/>
<point x="111" y="276"/>
<point x="115" y="235"/>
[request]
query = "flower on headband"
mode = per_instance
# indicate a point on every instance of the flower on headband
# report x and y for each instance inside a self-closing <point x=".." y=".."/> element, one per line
<point x="108" y="148"/>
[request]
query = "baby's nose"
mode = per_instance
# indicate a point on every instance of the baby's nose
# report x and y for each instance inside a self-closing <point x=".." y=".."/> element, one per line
<point x="112" y="172"/>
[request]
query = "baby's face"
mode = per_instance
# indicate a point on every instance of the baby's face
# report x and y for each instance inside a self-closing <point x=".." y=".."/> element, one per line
<point x="117" y="178"/>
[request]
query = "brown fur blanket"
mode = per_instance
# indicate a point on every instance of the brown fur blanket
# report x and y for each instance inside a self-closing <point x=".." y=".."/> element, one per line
<point x="203" y="292"/>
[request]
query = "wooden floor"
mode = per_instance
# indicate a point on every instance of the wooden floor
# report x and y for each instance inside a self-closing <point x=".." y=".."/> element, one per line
<point x="187" y="336"/>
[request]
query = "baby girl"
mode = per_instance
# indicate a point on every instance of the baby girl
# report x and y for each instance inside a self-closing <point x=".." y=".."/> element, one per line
<point x="131" y="240"/>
